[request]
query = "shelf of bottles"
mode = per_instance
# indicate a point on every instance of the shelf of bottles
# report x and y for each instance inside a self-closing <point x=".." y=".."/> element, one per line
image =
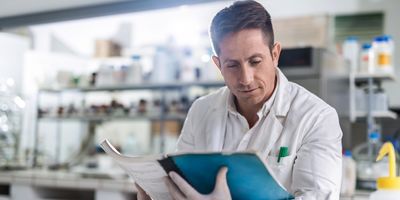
<point x="148" y="86"/>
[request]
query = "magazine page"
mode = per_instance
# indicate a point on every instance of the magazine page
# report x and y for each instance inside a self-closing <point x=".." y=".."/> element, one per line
<point x="144" y="170"/>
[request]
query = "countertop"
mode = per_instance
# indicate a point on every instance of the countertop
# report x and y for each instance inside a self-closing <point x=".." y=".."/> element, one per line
<point x="65" y="179"/>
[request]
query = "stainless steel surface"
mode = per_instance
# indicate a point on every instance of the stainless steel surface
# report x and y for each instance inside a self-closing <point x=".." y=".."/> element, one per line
<point x="300" y="63"/>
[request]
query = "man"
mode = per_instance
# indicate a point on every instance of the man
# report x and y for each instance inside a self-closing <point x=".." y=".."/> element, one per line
<point x="261" y="110"/>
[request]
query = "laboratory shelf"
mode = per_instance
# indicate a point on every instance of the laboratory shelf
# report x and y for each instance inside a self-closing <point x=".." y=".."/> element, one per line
<point x="368" y="80"/>
<point x="144" y="86"/>
<point x="363" y="77"/>
<point x="377" y="114"/>
<point x="94" y="119"/>
<point x="153" y="117"/>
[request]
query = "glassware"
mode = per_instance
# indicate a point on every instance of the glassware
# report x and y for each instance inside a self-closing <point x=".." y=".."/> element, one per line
<point x="11" y="107"/>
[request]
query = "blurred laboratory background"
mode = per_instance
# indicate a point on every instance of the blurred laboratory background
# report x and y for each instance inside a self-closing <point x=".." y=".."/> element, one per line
<point x="73" y="73"/>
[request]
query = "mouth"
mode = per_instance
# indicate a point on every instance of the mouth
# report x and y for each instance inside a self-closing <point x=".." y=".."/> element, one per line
<point x="248" y="90"/>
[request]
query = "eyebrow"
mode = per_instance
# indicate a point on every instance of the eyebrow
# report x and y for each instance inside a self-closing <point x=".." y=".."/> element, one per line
<point x="255" y="55"/>
<point x="249" y="58"/>
<point x="229" y="60"/>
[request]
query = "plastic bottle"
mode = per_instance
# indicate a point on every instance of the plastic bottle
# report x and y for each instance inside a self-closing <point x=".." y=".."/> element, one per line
<point x="374" y="143"/>
<point x="134" y="72"/>
<point x="383" y="48"/>
<point x="390" y="42"/>
<point x="361" y="98"/>
<point x="367" y="59"/>
<point x="388" y="187"/>
<point x="166" y="65"/>
<point x="351" y="52"/>
<point x="348" y="175"/>
<point x="187" y="70"/>
<point x="104" y="77"/>
<point x="380" y="99"/>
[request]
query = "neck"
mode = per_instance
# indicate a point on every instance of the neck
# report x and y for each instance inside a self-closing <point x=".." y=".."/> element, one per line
<point x="249" y="111"/>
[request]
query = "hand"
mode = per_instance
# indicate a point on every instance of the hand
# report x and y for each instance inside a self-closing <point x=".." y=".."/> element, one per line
<point x="181" y="190"/>
<point x="141" y="194"/>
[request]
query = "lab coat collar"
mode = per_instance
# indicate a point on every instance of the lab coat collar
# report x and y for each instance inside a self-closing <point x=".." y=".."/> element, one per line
<point x="282" y="100"/>
<point x="219" y="112"/>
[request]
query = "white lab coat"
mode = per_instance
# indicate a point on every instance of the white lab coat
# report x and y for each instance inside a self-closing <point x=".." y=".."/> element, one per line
<point x="298" y="119"/>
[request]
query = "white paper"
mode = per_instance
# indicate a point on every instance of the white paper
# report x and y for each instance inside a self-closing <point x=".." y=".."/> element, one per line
<point x="145" y="171"/>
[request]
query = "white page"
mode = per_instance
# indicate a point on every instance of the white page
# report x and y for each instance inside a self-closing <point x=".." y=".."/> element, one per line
<point x="145" y="171"/>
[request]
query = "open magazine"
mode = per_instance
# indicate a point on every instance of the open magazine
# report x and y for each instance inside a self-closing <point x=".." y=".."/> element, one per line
<point x="248" y="176"/>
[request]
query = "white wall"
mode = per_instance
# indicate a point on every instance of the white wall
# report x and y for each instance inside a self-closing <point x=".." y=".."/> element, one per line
<point x="11" y="57"/>
<point x="188" y="24"/>
<point x="18" y="7"/>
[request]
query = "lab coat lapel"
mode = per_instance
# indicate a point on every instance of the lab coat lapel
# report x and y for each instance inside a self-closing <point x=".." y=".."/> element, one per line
<point x="270" y="132"/>
<point x="272" y="128"/>
<point x="216" y="124"/>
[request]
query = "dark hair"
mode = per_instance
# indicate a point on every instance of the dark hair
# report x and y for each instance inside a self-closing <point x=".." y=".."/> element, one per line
<point x="239" y="16"/>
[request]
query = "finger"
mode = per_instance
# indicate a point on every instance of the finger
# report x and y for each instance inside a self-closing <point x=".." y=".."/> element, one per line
<point x="187" y="189"/>
<point x="173" y="190"/>
<point x="141" y="195"/>
<point x="221" y="182"/>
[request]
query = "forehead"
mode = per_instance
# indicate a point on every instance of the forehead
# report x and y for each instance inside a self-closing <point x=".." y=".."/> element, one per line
<point x="244" y="43"/>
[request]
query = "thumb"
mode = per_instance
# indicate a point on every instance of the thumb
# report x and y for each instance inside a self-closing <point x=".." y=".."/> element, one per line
<point x="221" y="182"/>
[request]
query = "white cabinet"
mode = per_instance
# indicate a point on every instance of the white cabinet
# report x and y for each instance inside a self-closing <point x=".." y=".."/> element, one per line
<point x="46" y="185"/>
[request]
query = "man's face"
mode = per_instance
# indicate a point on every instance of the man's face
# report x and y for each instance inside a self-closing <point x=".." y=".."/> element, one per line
<point x="246" y="63"/>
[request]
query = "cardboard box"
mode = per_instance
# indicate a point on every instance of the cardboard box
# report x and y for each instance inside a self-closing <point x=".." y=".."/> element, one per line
<point x="171" y="127"/>
<point x="107" y="48"/>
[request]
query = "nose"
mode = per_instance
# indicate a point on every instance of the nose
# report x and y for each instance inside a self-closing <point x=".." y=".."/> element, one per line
<point x="246" y="75"/>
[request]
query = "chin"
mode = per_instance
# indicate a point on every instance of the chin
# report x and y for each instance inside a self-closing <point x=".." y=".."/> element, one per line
<point x="251" y="100"/>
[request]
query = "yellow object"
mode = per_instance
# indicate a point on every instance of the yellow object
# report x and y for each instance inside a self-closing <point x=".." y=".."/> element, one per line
<point x="383" y="59"/>
<point x="392" y="182"/>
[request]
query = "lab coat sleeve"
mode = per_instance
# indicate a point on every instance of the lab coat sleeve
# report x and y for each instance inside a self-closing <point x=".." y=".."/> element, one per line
<point x="318" y="168"/>
<point x="186" y="138"/>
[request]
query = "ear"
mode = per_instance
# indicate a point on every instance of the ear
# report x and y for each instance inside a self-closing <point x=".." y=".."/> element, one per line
<point x="216" y="61"/>
<point x="276" y="52"/>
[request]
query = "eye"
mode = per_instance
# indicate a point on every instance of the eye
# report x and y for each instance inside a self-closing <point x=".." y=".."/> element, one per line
<point x="255" y="62"/>
<point x="232" y="66"/>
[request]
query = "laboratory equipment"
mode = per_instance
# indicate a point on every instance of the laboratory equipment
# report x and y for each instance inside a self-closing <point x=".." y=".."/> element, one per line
<point x="388" y="186"/>
<point x="367" y="59"/>
<point x="383" y="48"/>
<point x="11" y="107"/>
<point x="351" y="52"/>
<point x="367" y="169"/>
<point x="348" y="175"/>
